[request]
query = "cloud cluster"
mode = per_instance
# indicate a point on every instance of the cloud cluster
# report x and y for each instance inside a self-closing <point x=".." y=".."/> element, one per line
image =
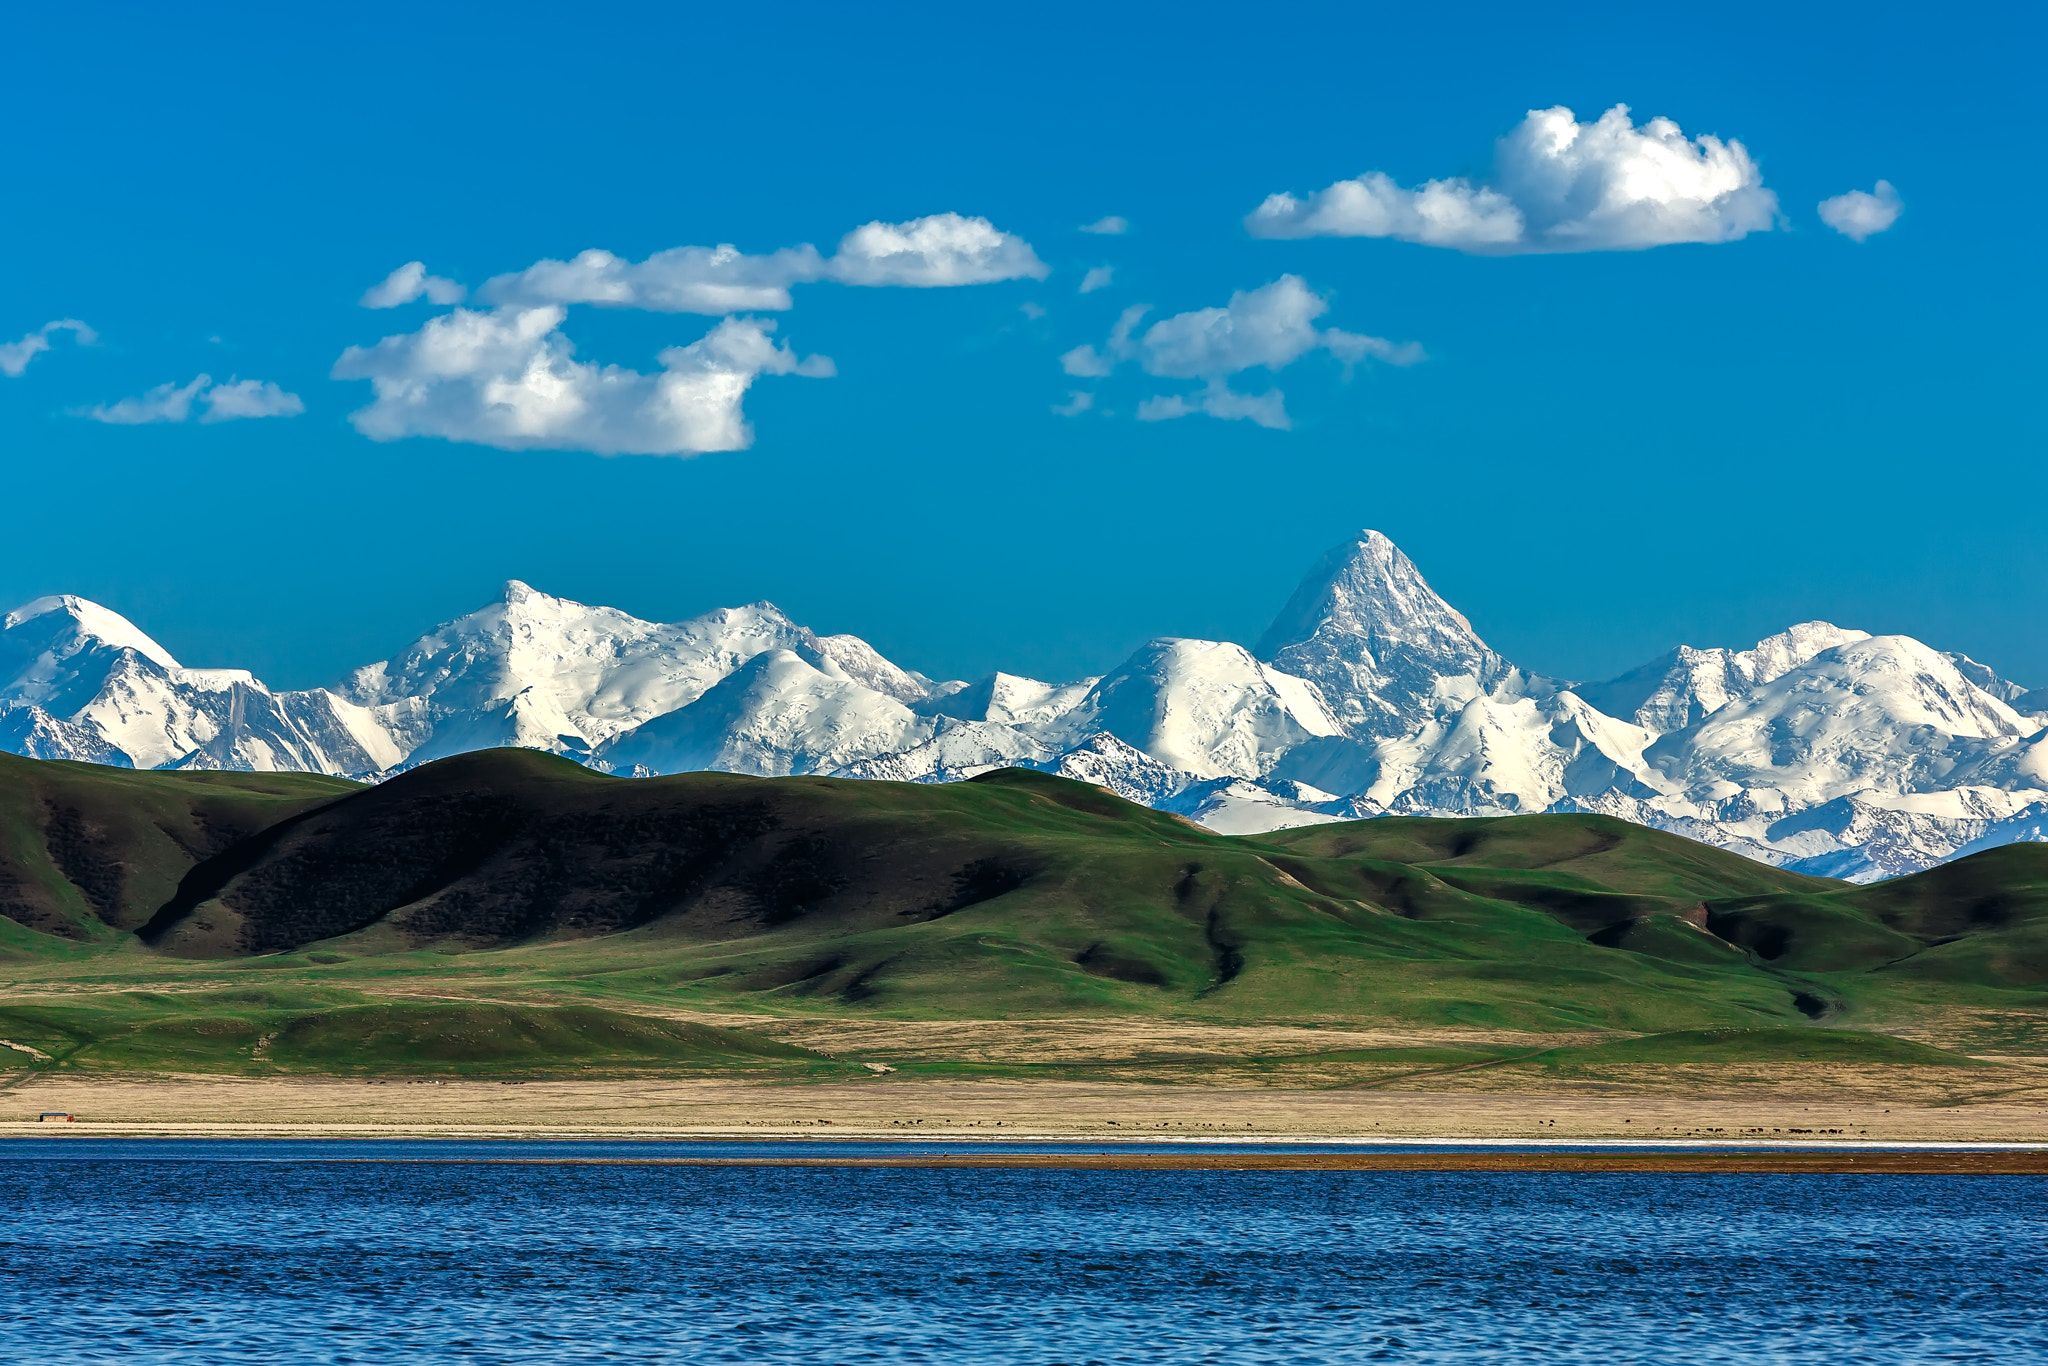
<point x="1268" y="328"/>
<point x="1858" y="214"/>
<point x="15" y="355"/>
<point x="509" y="378"/>
<point x="233" y="401"/>
<point x="409" y="282"/>
<point x="936" y="251"/>
<point x="1558" y="185"/>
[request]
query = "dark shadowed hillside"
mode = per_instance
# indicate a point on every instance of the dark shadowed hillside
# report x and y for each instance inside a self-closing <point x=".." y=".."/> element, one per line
<point x="86" y="849"/>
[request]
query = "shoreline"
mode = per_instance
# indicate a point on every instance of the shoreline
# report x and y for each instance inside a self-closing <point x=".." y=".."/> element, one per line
<point x="1022" y="1154"/>
<point x="1721" y="1112"/>
<point x="1881" y="1162"/>
<point x="1334" y="1145"/>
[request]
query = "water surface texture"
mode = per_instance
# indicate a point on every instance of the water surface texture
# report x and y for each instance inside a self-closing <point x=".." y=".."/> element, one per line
<point x="254" y="1251"/>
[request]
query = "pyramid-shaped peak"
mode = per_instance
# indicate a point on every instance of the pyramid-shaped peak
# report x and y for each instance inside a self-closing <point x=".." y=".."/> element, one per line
<point x="1386" y="651"/>
<point x="1367" y="590"/>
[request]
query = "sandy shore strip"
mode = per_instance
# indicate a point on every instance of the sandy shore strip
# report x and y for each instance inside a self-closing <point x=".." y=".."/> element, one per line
<point x="1929" y="1161"/>
<point x="1756" y="1111"/>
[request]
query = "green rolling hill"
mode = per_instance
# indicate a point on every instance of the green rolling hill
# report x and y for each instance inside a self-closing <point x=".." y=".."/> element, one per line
<point x="1014" y="895"/>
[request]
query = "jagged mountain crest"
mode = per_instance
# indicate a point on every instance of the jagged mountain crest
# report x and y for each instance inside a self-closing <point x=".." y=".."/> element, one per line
<point x="1821" y="747"/>
<point x="1676" y="690"/>
<point x="563" y="675"/>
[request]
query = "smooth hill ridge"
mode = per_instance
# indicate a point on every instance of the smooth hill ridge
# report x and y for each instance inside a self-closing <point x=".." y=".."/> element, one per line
<point x="1822" y="748"/>
<point x="1017" y="892"/>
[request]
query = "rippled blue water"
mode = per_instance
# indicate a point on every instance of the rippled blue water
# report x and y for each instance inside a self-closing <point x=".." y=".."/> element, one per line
<point x="193" y="1252"/>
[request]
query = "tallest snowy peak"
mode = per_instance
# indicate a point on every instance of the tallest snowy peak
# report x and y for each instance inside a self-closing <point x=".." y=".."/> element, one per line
<point x="1367" y="589"/>
<point x="1367" y="629"/>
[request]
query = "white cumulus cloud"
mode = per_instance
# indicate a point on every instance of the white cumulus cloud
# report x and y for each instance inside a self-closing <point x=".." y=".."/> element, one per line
<point x="1859" y="214"/>
<point x="942" y="249"/>
<point x="1111" y="225"/>
<point x="1558" y="185"/>
<point x="15" y="355"/>
<point x="409" y="282"/>
<point x="1098" y="277"/>
<point x="231" y="401"/>
<point x="510" y="379"/>
<point x="1268" y="328"/>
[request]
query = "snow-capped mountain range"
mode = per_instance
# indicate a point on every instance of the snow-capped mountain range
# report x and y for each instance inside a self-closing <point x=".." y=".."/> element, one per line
<point x="1821" y="748"/>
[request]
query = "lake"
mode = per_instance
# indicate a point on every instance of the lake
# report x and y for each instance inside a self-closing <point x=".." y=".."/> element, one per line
<point x="187" y="1251"/>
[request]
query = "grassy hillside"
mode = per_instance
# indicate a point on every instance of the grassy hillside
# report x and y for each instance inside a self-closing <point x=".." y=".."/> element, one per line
<point x="86" y="850"/>
<point x="371" y="921"/>
<point x="1983" y="919"/>
<point x="339" y="1033"/>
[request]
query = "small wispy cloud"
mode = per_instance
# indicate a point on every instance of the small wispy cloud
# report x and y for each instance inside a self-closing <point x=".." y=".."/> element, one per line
<point x="707" y="280"/>
<point x="241" y="399"/>
<point x="1098" y="277"/>
<point x="233" y="401"/>
<point x="937" y="251"/>
<point x="1078" y="402"/>
<point x="409" y="282"/>
<point x="1087" y="362"/>
<point x="1111" y="225"/>
<point x="1268" y="328"/>
<point x="15" y="355"/>
<point x="1860" y="214"/>
<point x="1219" y="400"/>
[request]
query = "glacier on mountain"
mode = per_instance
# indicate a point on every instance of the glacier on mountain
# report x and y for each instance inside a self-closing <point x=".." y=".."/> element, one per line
<point x="1822" y="748"/>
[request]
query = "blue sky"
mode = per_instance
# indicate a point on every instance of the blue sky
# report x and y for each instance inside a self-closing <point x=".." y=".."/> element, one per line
<point x="1601" y="453"/>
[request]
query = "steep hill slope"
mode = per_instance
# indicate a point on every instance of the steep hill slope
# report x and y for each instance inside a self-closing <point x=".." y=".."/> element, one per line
<point x="85" y="850"/>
